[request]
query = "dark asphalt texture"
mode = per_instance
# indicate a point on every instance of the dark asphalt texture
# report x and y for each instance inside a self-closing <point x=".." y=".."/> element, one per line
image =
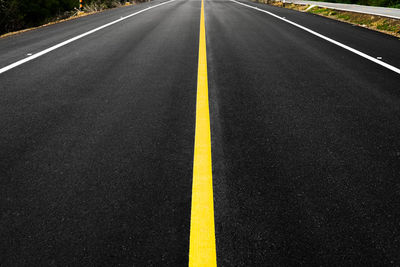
<point x="97" y="137"/>
<point x="96" y="147"/>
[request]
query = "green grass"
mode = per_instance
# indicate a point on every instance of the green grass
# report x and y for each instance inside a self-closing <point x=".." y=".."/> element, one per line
<point x="319" y="10"/>
<point x="387" y="27"/>
<point x="363" y="22"/>
<point x="343" y="16"/>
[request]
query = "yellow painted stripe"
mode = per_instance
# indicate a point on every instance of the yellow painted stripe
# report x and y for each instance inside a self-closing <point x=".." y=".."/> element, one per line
<point x="202" y="233"/>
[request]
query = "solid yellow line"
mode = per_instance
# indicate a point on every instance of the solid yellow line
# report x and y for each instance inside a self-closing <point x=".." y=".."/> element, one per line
<point x="202" y="233"/>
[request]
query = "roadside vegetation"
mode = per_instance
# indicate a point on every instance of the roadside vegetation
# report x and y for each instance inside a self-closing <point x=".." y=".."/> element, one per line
<point x="377" y="23"/>
<point x="383" y="3"/>
<point x="386" y="25"/>
<point x="17" y="15"/>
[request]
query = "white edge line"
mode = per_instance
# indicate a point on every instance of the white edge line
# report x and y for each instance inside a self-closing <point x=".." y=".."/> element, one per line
<point x="377" y="61"/>
<point x="22" y="61"/>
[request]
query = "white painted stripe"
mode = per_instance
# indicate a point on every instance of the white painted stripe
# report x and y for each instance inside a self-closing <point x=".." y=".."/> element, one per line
<point x="355" y="51"/>
<point x="32" y="57"/>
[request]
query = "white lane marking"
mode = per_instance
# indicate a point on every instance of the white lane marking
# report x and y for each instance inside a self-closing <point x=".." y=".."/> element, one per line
<point x="355" y="51"/>
<point x="31" y="57"/>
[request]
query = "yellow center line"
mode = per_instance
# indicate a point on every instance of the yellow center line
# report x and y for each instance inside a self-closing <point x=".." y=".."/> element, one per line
<point x="202" y="233"/>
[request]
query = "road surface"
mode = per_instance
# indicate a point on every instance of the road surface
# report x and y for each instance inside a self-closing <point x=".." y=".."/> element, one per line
<point x="97" y="139"/>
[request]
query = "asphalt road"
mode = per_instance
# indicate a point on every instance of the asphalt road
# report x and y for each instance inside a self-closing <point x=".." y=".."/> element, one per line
<point x="97" y="140"/>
